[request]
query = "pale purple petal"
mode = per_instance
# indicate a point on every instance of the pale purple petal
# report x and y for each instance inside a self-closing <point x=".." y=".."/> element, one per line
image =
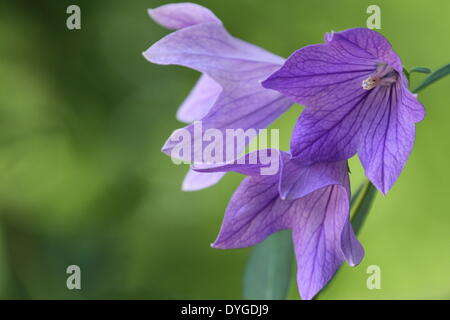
<point x="182" y="15"/>
<point x="197" y="180"/>
<point x="318" y="216"/>
<point x="254" y="212"/>
<point x="251" y="164"/>
<point x="317" y="220"/>
<point x="234" y="64"/>
<point x="316" y="229"/>
<point x="248" y="111"/>
<point x="200" y="100"/>
<point x="297" y="181"/>
<point x="351" y="248"/>
<point x="209" y="48"/>
<point x="322" y="220"/>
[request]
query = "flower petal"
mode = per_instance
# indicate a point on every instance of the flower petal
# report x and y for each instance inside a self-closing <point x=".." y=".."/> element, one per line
<point x="197" y="180"/>
<point x="241" y="113"/>
<point x="351" y="248"/>
<point x="200" y="100"/>
<point x="323" y="74"/>
<point x="252" y="164"/>
<point x="297" y="181"/>
<point x="209" y="48"/>
<point x="333" y="131"/>
<point x="322" y="233"/>
<point x="388" y="135"/>
<point x="238" y="67"/>
<point x="316" y="74"/>
<point x="254" y="212"/>
<point x="317" y="220"/>
<point x="182" y="15"/>
<point x="316" y="229"/>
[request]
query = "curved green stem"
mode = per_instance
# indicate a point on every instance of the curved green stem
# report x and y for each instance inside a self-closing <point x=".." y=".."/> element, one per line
<point x="361" y="205"/>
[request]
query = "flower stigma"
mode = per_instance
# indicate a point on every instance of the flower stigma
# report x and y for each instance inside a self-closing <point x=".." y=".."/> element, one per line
<point x="383" y="76"/>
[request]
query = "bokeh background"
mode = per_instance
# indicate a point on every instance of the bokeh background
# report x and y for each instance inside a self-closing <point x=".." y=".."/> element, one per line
<point x="82" y="181"/>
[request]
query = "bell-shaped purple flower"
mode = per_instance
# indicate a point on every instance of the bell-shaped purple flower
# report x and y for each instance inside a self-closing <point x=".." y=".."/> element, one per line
<point x="312" y="201"/>
<point x="228" y="94"/>
<point x="356" y="100"/>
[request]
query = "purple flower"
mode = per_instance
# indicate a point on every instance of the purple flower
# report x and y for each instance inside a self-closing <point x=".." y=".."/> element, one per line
<point x="228" y="94"/>
<point x="357" y="101"/>
<point x="312" y="201"/>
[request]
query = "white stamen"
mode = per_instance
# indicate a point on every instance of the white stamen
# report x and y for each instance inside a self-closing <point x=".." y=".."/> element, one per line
<point x="369" y="83"/>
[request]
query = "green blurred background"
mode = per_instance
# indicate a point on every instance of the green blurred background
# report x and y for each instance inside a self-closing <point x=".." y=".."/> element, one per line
<point x="83" y="116"/>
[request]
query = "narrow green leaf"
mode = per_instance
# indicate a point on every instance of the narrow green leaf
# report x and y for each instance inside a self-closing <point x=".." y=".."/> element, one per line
<point x="269" y="269"/>
<point x="438" y="74"/>
<point x="420" y="70"/>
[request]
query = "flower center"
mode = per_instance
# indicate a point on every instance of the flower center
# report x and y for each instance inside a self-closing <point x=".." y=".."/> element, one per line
<point x="383" y="76"/>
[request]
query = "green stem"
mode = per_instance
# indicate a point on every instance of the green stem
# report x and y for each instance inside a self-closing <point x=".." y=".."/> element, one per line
<point x="361" y="207"/>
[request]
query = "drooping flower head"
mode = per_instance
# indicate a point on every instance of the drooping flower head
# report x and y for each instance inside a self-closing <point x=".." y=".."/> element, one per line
<point x="228" y="94"/>
<point x="311" y="201"/>
<point x="356" y="100"/>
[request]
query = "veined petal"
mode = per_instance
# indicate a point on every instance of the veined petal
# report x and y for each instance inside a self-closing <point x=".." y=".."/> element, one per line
<point x="194" y="180"/>
<point x="318" y="216"/>
<point x="251" y="164"/>
<point x="317" y="226"/>
<point x="388" y="135"/>
<point x="238" y="67"/>
<point x="239" y="113"/>
<point x="200" y="100"/>
<point x="209" y="49"/>
<point x="297" y="180"/>
<point x="360" y="41"/>
<point x="351" y="248"/>
<point x="321" y="74"/>
<point x="254" y="212"/>
<point x="318" y="221"/>
<point x="343" y="116"/>
<point x="182" y="15"/>
<point x="333" y="131"/>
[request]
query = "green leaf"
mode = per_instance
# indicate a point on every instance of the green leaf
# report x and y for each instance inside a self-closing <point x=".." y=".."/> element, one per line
<point x="438" y="74"/>
<point x="269" y="270"/>
<point x="420" y="70"/>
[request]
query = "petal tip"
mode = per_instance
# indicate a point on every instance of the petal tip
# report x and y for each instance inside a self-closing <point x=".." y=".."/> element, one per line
<point x="307" y="296"/>
<point x="186" y="188"/>
<point x="356" y="260"/>
<point x="216" y="245"/>
<point x="167" y="148"/>
<point x="329" y="36"/>
<point x="266" y="83"/>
